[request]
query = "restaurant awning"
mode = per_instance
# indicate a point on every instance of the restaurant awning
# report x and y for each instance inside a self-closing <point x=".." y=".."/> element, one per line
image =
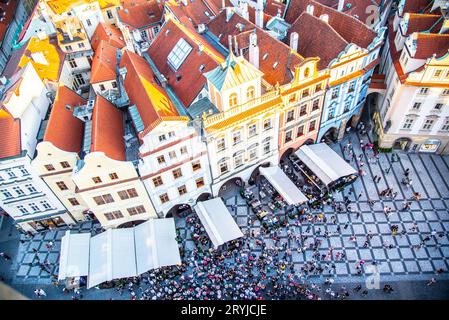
<point x="74" y="257"/>
<point x="122" y="253"/>
<point x="324" y="162"/>
<point x="286" y="188"/>
<point x="218" y="222"/>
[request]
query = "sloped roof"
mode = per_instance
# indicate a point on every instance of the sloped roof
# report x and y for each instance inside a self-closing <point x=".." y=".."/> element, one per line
<point x="233" y="72"/>
<point x="64" y="130"/>
<point x="194" y="12"/>
<point x="429" y="44"/>
<point x="417" y="6"/>
<point x="108" y="33"/>
<point x="151" y="100"/>
<point x="276" y="59"/>
<point x="272" y="7"/>
<point x="140" y="16"/>
<point x="423" y="22"/>
<point x="33" y="51"/>
<point x="104" y="63"/>
<point x="10" y="142"/>
<point x="108" y="130"/>
<point x="188" y="81"/>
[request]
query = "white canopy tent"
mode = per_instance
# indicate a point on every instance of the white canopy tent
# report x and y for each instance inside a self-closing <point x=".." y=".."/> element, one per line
<point x="324" y="162"/>
<point x="74" y="257"/>
<point x="120" y="253"/>
<point x="218" y="222"/>
<point x="286" y="188"/>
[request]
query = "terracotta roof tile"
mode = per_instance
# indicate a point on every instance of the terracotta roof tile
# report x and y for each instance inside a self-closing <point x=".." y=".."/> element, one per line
<point x="272" y="7"/>
<point x="64" y="130"/>
<point x="10" y="144"/>
<point x="108" y="33"/>
<point x="108" y="130"/>
<point x="416" y="6"/>
<point x="104" y="63"/>
<point x="429" y="44"/>
<point x="143" y="91"/>
<point x="143" y="15"/>
<point x="195" y="11"/>
<point x="188" y="81"/>
<point x="423" y="22"/>
<point x="276" y="59"/>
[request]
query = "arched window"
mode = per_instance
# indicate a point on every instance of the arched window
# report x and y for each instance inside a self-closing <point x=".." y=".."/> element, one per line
<point x="250" y="93"/>
<point x="233" y="100"/>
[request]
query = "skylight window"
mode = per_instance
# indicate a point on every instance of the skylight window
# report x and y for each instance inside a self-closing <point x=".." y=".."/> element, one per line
<point x="179" y="54"/>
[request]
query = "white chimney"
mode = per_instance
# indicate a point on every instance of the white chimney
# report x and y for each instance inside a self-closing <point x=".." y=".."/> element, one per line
<point x="259" y="18"/>
<point x="201" y="28"/>
<point x="341" y="4"/>
<point x="259" y="5"/>
<point x="229" y="14"/>
<point x="236" y="46"/>
<point x="230" y="43"/>
<point x="310" y="9"/>
<point x="223" y="4"/>
<point x="253" y="50"/>
<point x="185" y="2"/>
<point x="325" y="18"/>
<point x="294" y="41"/>
<point x="243" y="10"/>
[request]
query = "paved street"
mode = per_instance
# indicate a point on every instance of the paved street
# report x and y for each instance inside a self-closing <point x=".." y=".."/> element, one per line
<point x="402" y="265"/>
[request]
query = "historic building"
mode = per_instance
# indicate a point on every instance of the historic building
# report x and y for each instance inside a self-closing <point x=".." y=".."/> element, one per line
<point x="23" y="193"/>
<point x="412" y="114"/>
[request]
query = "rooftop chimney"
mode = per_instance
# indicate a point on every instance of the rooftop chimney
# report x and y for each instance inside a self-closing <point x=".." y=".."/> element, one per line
<point x="259" y="5"/>
<point x="294" y="41"/>
<point x="310" y="9"/>
<point x="341" y="4"/>
<point x="185" y="2"/>
<point x="229" y="14"/>
<point x="230" y="43"/>
<point x="325" y="18"/>
<point x="259" y="18"/>
<point x="243" y="10"/>
<point x="236" y="46"/>
<point x="253" y="50"/>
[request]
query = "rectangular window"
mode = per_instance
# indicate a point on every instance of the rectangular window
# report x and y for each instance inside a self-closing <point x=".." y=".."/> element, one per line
<point x="300" y="131"/>
<point x="22" y="209"/>
<point x="331" y="113"/>
<point x="292" y="98"/>
<point x="45" y="204"/>
<point x="437" y="73"/>
<point x="424" y="91"/>
<point x="102" y="87"/>
<point x="183" y="150"/>
<point x="445" y="126"/>
<point x="73" y="201"/>
<point x="290" y="116"/>
<point x="81" y="45"/>
<point x="238" y="160"/>
<point x="161" y="159"/>
<point x="288" y="136"/>
<point x="6" y="193"/>
<point x="109" y="13"/>
<point x="31" y="188"/>
<point x="89" y="23"/>
<point x="172" y="154"/>
<point x="11" y="174"/>
<point x="416" y="105"/>
<point x="196" y="165"/>
<point x="237" y="137"/>
<point x="267" y="124"/>
<point x="199" y="182"/>
<point x="113" y="176"/>
<point x="72" y="63"/>
<point x="164" y="198"/>
<point x="312" y="125"/>
<point x="24" y="171"/>
<point x="438" y="106"/>
<point x="114" y="84"/>
<point x="221" y="144"/>
<point x="61" y="185"/>
<point x="49" y="167"/>
<point x="179" y="53"/>
<point x="136" y="210"/>
<point x="318" y="87"/>
<point x="182" y="190"/>
<point x="428" y="124"/>
<point x="335" y="93"/>
<point x="252" y="153"/>
<point x="351" y="87"/>
<point x="18" y="190"/>
<point x="113" y="215"/>
<point x="126" y="194"/>
<point x="266" y="147"/>
<point x="223" y="167"/>
<point x="408" y="123"/>
<point x="64" y="164"/>
<point x="34" y="207"/>
<point x="68" y="48"/>
<point x="177" y="173"/>
<point x="96" y="179"/>
<point x="106" y="198"/>
<point x="252" y="130"/>
<point x="162" y="138"/>
<point x="316" y="104"/>
<point x="445" y="92"/>
<point x="303" y="110"/>
<point x="347" y="106"/>
<point x="158" y="181"/>
<point x="305" y="93"/>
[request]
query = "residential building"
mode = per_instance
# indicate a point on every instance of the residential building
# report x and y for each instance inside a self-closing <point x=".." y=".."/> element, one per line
<point x="412" y="112"/>
<point x="108" y="33"/>
<point x="23" y="193"/>
<point x="103" y="76"/>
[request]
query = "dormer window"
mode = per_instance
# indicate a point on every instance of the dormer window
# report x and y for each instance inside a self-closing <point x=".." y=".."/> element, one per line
<point x="179" y="53"/>
<point x="250" y="93"/>
<point x="233" y="100"/>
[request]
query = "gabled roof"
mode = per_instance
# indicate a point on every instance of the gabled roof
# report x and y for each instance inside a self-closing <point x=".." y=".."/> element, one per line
<point x="330" y="43"/>
<point x="276" y="59"/>
<point x="45" y="56"/>
<point x="348" y="27"/>
<point x="108" y="33"/>
<point x="150" y="99"/>
<point x="64" y="130"/>
<point x="108" y="130"/>
<point x="188" y="81"/>
<point x="424" y="22"/>
<point x="232" y="73"/>
<point x="194" y="12"/>
<point x="10" y="142"/>
<point x="104" y="63"/>
<point x="141" y="15"/>
<point x="429" y="44"/>
<point x="273" y="7"/>
<point x="417" y="6"/>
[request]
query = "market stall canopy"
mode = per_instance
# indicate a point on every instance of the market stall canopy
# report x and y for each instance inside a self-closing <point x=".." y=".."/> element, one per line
<point x="324" y="162"/>
<point x="74" y="257"/>
<point x="218" y="222"/>
<point x="120" y="253"/>
<point x="286" y="188"/>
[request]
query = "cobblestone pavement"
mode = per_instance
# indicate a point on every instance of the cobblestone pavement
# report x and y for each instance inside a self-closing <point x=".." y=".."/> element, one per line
<point x="402" y="263"/>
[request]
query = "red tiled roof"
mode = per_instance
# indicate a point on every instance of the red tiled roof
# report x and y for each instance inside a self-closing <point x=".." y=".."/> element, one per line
<point x="10" y="143"/>
<point x="188" y="81"/>
<point x="143" y="91"/>
<point x="429" y="44"/>
<point x="252" y="16"/>
<point x="359" y="9"/>
<point x="10" y="10"/>
<point x="104" y="63"/>
<point x="143" y="15"/>
<point x="423" y="22"/>
<point x="194" y="12"/>
<point x="64" y="130"/>
<point x="108" y="33"/>
<point x="270" y="48"/>
<point x="108" y="130"/>
<point x="416" y="6"/>
<point x="330" y="43"/>
<point x="348" y="27"/>
<point x="272" y="7"/>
